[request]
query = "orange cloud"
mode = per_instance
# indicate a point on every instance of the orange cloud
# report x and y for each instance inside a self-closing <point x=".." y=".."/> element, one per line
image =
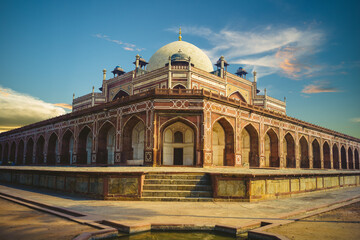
<point x="319" y="87"/>
<point x="63" y="105"/>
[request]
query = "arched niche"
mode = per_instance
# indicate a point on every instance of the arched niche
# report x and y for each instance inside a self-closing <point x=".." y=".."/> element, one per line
<point x="289" y="151"/>
<point x="351" y="160"/>
<point x="271" y="149"/>
<point x="356" y="153"/>
<point x="12" y="153"/>
<point x="133" y="139"/>
<point x="316" y="154"/>
<point x="53" y="149"/>
<point x="326" y="153"/>
<point x="179" y="86"/>
<point x="5" y="159"/>
<point x="20" y="153"/>
<point x="175" y="151"/>
<point x="39" y="150"/>
<point x="304" y="153"/>
<point x="343" y="158"/>
<point x="223" y="143"/>
<point x="336" y="158"/>
<point x="121" y="94"/>
<point x="106" y="144"/>
<point x="84" y="148"/>
<point x="67" y="148"/>
<point x="29" y="151"/>
<point x="250" y="146"/>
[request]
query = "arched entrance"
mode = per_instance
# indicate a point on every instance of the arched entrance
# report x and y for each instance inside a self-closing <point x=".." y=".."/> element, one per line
<point x="67" y="148"/>
<point x="250" y="146"/>
<point x="356" y="153"/>
<point x="178" y="145"/>
<point x="343" y="158"/>
<point x="271" y="149"/>
<point x="133" y="140"/>
<point x="326" y="152"/>
<point x="20" y="153"/>
<point x="39" y="151"/>
<point x="289" y="151"/>
<point x="304" y="153"/>
<point x="106" y="144"/>
<point x="29" y="151"/>
<point x="223" y="143"/>
<point x="84" y="149"/>
<point x="53" y="149"/>
<point x="316" y="154"/>
<point x="350" y="156"/>
<point x="1" y="153"/>
<point x="12" y="153"/>
<point x="179" y="86"/>
<point x="336" y="164"/>
<point x="121" y="94"/>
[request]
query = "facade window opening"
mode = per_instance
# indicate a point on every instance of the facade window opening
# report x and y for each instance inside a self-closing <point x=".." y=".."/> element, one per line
<point x="178" y="137"/>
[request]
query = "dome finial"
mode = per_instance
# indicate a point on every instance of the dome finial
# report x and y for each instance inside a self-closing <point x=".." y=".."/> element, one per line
<point x="180" y="34"/>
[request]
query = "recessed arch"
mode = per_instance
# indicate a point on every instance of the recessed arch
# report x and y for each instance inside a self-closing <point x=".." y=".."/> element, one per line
<point x="351" y="160"/>
<point x="271" y="149"/>
<point x="84" y="146"/>
<point x="5" y="159"/>
<point x="304" y="153"/>
<point x="336" y="158"/>
<point x="223" y="143"/>
<point x="179" y="86"/>
<point x="316" y="154"/>
<point x="1" y="152"/>
<point x="67" y="147"/>
<point x="356" y="156"/>
<point x="289" y="150"/>
<point x="12" y="153"/>
<point x="39" y="150"/>
<point x="20" y="153"/>
<point x="29" y="151"/>
<point x="343" y="158"/>
<point x="326" y="155"/>
<point x="133" y="139"/>
<point x="250" y="146"/>
<point x="237" y="95"/>
<point x="106" y="144"/>
<point x="120" y="94"/>
<point x="53" y="149"/>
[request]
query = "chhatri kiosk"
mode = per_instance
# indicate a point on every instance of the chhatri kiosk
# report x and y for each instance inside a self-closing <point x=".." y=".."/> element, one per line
<point x="177" y="110"/>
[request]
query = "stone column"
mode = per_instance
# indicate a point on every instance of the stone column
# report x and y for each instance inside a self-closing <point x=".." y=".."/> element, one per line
<point x="347" y="156"/>
<point x="311" y="157"/>
<point x="237" y="135"/>
<point x="297" y="150"/>
<point x="95" y="140"/>
<point x="118" y="136"/>
<point x="331" y="155"/>
<point x="322" y="153"/>
<point x="281" y="148"/>
<point x="262" y="142"/>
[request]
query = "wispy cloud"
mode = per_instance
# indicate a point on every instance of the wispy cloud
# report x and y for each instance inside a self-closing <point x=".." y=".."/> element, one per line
<point x="19" y="109"/>
<point x="319" y="87"/>
<point x="267" y="50"/>
<point x="355" y="120"/>
<point x="125" y="46"/>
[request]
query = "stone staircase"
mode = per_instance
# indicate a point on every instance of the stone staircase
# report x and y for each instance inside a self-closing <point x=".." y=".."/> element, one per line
<point x="184" y="187"/>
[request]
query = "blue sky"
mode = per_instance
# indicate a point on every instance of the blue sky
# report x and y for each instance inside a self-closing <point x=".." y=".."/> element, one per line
<point x="307" y="51"/>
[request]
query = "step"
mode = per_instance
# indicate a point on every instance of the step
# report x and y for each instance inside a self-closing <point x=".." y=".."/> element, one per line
<point x="176" y="182"/>
<point x="177" y="176"/>
<point x="166" y="193"/>
<point x="178" y="199"/>
<point x="194" y="187"/>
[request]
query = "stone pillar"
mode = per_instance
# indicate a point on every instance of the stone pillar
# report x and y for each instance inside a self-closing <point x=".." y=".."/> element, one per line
<point x="297" y="150"/>
<point x="94" y="141"/>
<point x="237" y="135"/>
<point x="206" y="129"/>
<point x="331" y="155"/>
<point x="281" y="148"/>
<point x="311" y="157"/>
<point x="118" y="136"/>
<point x="321" y="153"/>
<point x="262" y="142"/>
<point x="347" y="156"/>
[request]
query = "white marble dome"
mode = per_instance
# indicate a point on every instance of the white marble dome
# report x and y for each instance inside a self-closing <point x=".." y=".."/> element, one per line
<point x="198" y="57"/>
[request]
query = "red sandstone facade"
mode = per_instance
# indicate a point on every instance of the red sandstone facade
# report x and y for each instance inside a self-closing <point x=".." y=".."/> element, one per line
<point x="179" y="115"/>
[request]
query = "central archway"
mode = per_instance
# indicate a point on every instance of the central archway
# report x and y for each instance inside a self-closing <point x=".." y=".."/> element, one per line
<point x="106" y="144"/>
<point x="53" y="149"/>
<point x="178" y="145"/>
<point x="326" y="153"/>
<point x="350" y="156"/>
<point x="343" y="158"/>
<point x="67" y="148"/>
<point x="316" y="154"/>
<point x="336" y="156"/>
<point x="84" y="149"/>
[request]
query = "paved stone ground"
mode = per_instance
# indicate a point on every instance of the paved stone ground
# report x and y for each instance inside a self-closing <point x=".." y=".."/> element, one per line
<point x="230" y="170"/>
<point x="19" y="222"/>
<point x="234" y="214"/>
<point x="342" y="223"/>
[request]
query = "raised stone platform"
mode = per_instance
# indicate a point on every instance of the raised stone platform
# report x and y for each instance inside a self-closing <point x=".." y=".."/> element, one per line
<point x="179" y="183"/>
